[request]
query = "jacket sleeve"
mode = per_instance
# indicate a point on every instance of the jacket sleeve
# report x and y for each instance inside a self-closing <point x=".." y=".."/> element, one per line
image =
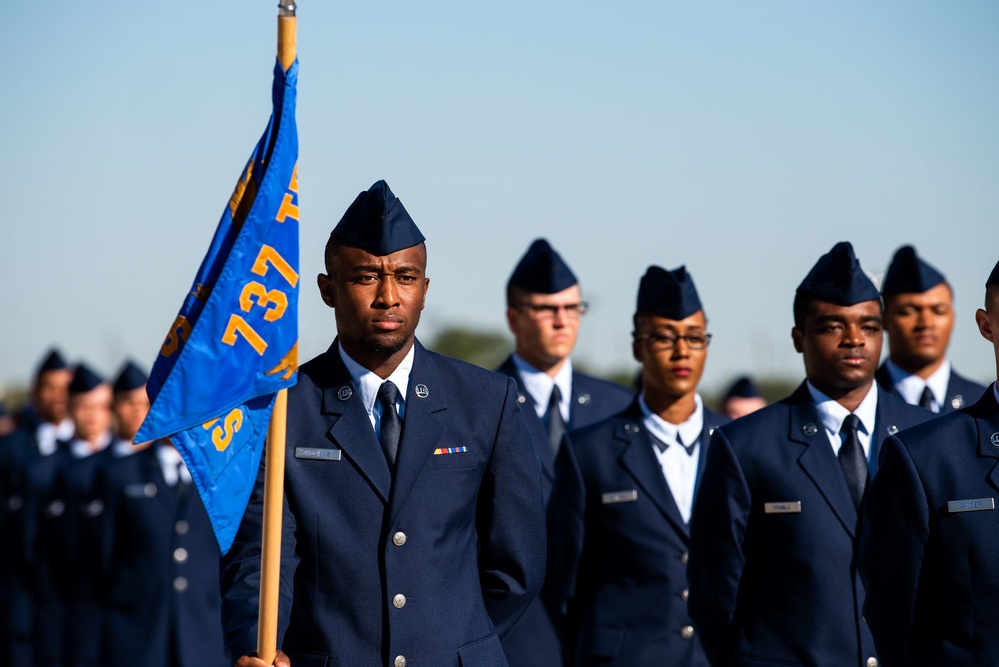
<point x="892" y="548"/>
<point x="717" y="535"/>
<point x="510" y="520"/>
<point x="239" y="580"/>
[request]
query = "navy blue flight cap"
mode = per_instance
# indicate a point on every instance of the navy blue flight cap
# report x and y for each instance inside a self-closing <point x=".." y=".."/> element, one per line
<point x="130" y="377"/>
<point x="84" y="380"/>
<point x="378" y="223"/>
<point x="909" y="274"/>
<point x="53" y="361"/>
<point x="542" y="270"/>
<point x="838" y="278"/>
<point x="994" y="278"/>
<point x="744" y="387"/>
<point x="669" y="294"/>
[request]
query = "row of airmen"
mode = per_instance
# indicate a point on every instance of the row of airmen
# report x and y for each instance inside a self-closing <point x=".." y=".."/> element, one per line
<point x="109" y="557"/>
<point x="773" y="576"/>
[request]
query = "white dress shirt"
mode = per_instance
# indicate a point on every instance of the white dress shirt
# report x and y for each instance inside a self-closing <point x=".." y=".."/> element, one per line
<point x="48" y="435"/>
<point x="366" y="383"/>
<point x="832" y="415"/>
<point x="678" y="467"/>
<point x="539" y="385"/>
<point x="172" y="465"/>
<point x="910" y="386"/>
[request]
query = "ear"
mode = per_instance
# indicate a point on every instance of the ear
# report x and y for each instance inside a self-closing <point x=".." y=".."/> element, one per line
<point x="426" y="288"/>
<point x="511" y="320"/>
<point x="326" y="289"/>
<point x="797" y="335"/>
<point x="985" y="326"/>
<point x="636" y="351"/>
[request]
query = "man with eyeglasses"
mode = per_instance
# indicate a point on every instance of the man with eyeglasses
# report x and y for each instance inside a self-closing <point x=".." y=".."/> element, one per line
<point x="618" y="519"/>
<point x="773" y="539"/>
<point x="544" y="307"/>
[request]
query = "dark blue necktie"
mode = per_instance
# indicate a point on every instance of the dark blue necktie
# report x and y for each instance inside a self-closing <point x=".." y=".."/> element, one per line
<point x="556" y="425"/>
<point x="926" y="400"/>
<point x="852" y="459"/>
<point x="391" y="425"/>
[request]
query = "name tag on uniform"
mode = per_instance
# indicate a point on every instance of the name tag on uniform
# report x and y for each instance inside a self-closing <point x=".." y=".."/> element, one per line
<point x="973" y="505"/>
<point x="317" y="454"/>
<point x="792" y="507"/>
<point x="140" y="490"/>
<point x="614" y="497"/>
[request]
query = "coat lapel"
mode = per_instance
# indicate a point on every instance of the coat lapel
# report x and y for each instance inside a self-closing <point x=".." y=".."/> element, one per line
<point x="539" y="435"/>
<point x="422" y="431"/>
<point x="818" y="460"/>
<point x="641" y="463"/>
<point x="986" y="415"/>
<point x="349" y="426"/>
<point x="711" y="422"/>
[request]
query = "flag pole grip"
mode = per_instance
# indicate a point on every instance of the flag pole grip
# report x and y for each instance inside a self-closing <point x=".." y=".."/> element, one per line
<point x="270" y="556"/>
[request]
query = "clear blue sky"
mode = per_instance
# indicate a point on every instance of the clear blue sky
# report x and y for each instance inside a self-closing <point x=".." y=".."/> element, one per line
<point x="742" y="139"/>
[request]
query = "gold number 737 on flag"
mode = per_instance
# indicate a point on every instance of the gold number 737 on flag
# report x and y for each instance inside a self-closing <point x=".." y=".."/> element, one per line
<point x="255" y="294"/>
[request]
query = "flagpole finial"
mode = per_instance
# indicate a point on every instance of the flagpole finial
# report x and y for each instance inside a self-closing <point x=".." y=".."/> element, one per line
<point x="287" y="8"/>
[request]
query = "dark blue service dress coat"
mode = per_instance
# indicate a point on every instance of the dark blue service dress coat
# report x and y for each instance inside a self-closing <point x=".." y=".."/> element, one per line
<point x="533" y="641"/>
<point x="70" y="554"/>
<point x="930" y="546"/>
<point x="773" y="577"/>
<point x="426" y="566"/>
<point x="617" y="565"/>
<point x="961" y="392"/>
<point x="159" y="570"/>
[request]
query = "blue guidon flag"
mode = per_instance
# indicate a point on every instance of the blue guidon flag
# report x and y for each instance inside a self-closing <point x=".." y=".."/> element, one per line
<point x="234" y="343"/>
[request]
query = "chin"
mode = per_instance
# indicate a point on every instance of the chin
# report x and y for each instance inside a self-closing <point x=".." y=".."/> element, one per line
<point x="384" y="346"/>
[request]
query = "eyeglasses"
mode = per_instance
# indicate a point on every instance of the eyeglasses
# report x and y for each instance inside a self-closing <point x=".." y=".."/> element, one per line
<point x="545" y="311"/>
<point x="667" y="341"/>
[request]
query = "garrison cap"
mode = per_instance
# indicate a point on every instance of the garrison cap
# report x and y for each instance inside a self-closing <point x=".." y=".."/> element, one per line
<point x="53" y="361"/>
<point x="909" y="274"/>
<point x="838" y="278"/>
<point x="669" y="294"/>
<point x="84" y="380"/>
<point x="130" y="377"/>
<point x="378" y="223"/>
<point x="744" y="387"/>
<point x="542" y="270"/>
<point x="994" y="277"/>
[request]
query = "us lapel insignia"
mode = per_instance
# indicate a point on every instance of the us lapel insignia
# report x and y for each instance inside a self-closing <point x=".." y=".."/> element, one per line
<point x="892" y="430"/>
<point x="957" y="402"/>
<point x="422" y="391"/>
<point x="809" y="429"/>
<point x="584" y="399"/>
<point x="344" y="393"/>
<point x="995" y="439"/>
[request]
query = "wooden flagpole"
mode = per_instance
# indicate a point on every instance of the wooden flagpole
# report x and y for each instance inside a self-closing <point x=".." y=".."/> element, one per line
<point x="270" y="556"/>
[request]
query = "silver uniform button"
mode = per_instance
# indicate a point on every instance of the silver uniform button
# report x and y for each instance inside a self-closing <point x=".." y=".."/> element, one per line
<point x="399" y="601"/>
<point x="399" y="539"/>
<point x="684" y="558"/>
<point x="872" y="662"/>
<point x="684" y="595"/>
<point x="181" y="527"/>
<point x="400" y="661"/>
<point x="180" y="554"/>
<point x="180" y="584"/>
<point x="686" y="632"/>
